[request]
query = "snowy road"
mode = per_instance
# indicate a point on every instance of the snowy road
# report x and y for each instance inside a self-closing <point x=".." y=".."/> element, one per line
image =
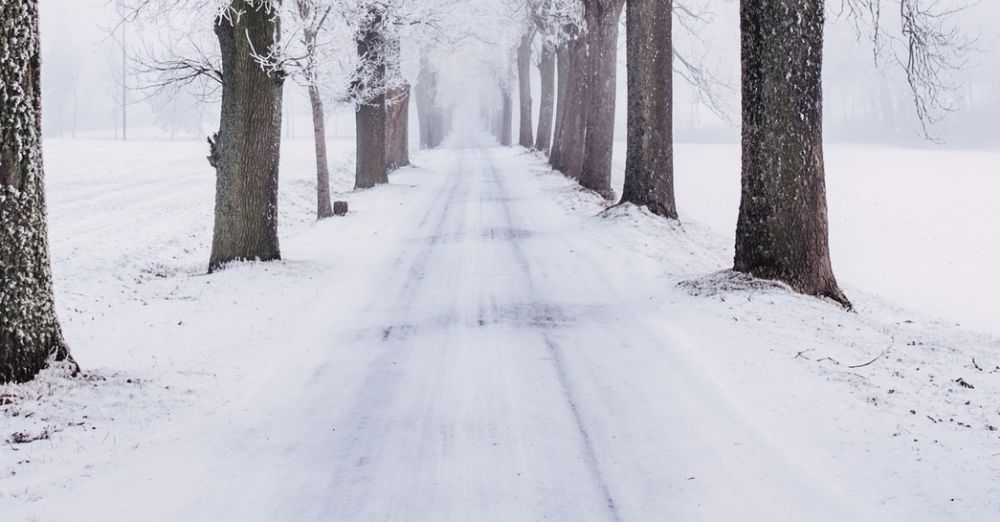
<point x="484" y="364"/>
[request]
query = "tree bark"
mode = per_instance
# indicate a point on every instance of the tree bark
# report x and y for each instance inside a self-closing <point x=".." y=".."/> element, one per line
<point x="574" y="120"/>
<point x="309" y="33"/>
<point x="562" y="90"/>
<point x="323" y="208"/>
<point x="526" y="136"/>
<point x="371" y="115"/>
<point x="29" y="331"/>
<point x="397" y="134"/>
<point x="649" y="166"/>
<point x="782" y="229"/>
<point x="603" y="17"/>
<point x="547" y="70"/>
<point x="371" y="164"/>
<point x="246" y="150"/>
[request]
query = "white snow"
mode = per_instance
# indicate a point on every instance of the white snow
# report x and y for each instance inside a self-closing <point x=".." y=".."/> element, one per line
<point x="914" y="225"/>
<point x="480" y="340"/>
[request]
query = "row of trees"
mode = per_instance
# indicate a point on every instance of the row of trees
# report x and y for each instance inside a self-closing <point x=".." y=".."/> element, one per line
<point x="782" y="231"/>
<point x="246" y="59"/>
<point x="245" y="151"/>
<point x="350" y="51"/>
<point x="782" y="228"/>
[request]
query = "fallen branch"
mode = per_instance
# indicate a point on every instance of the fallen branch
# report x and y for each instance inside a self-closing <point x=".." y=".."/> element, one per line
<point x="892" y="342"/>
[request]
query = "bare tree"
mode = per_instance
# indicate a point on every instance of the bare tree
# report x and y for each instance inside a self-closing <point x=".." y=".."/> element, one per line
<point x="312" y="17"/>
<point x="562" y="97"/>
<point x="397" y="137"/>
<point x="381" y="26"/>
<point x="552" y="21"/>
<point x="246" y="150"/>
<point x="30" y="335"/>
<point x="369" y="91"/>
<point x="929" y="47"/>
<point x="506" y="113"/>
<point x="602" y="17"/>
<point x="782" y="230"/>
<point x="249" y="67"/>
<point x="526" y="136"/>
<point x="565" y="27"/>
<point x="568" y="151"/>
<point x="649" y="168"/>
<point x="546" y="111"/>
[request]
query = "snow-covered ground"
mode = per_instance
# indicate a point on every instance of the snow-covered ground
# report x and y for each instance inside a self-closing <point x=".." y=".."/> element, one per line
<point x="916" y="226"/>
<point x="480" y="340"/>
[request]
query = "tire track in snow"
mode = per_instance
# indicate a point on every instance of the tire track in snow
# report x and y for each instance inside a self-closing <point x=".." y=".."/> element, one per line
<point x="588" y="443"/>
<point x="381" y="386"/>
<point x="555" y="352"/>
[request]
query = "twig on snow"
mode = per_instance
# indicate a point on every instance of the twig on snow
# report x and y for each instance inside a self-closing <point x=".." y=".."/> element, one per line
<point x="892" y="342"/>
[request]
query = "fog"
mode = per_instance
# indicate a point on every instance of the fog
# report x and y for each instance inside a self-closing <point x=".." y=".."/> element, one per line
<point x="865" y="101"/>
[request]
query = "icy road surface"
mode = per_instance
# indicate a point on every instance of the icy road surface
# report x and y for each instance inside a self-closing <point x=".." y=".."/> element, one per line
<point x="488" y="365"/>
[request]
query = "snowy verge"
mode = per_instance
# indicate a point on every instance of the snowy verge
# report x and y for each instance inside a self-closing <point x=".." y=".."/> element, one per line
<point x="161" y="344"/>
<point x="899" y="407"/>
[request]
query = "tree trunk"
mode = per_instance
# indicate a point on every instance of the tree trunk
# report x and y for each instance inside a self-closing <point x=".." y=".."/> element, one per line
<point x="603" y="17"/>
<point x="574" y="121"/>
<point x="649" y="166"/>
<point x="397" y="134"/>
<point x="246" y="150"/>
<point x="323" y="208"/>
<point x="782" y="229"/>
<point x="526" y="136"/>
<point x="423" y="118"/>
<point x="427" y="112"/>
<point x="562" y="90"/>
<point x="547" y="71"/>
<point x="371" y="165"/>
<point x="371" y="114"/>
<point x="507" y="118"/>
<point x="29" y="331"/>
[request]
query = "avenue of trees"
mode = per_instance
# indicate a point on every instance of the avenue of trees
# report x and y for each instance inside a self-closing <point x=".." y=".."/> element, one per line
<point x="781" y="233"/>
<point x="247" y="59"/>
<point x="256" y="48"/>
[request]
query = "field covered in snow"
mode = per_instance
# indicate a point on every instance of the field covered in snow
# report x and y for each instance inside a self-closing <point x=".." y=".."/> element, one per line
<point x="481" y="340"/>
<point x="916" y="226"/>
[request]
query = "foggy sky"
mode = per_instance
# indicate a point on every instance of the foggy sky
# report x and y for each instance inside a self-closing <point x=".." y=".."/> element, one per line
<point x="82" y="67"/>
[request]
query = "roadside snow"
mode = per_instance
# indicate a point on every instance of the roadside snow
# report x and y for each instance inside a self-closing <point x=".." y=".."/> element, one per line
<point x="483" y="340"/>
<point x="915" y="226"/>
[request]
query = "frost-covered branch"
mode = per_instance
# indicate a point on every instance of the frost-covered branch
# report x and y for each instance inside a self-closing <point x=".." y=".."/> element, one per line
<point x="929" y="48"/>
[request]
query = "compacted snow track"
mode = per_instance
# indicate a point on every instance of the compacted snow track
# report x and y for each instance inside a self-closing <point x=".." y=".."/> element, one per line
<point x="483" y="364"/>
